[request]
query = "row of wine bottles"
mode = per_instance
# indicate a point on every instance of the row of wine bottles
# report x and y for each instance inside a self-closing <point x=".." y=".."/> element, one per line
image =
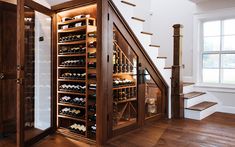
<point x="78" y="101"/>
<point x="73" y="25"/>
<point x="76" y="62"/>
<point x="72" y="112"/>
<point x="69" y="75"/>
<point x="78" y="128"/>
<point x="80" y="49"/>
<point x="79" y="76"/>
<point x="75" y="88"/>
<point x="72" y="37"/>
<point x="117" y="82"/>
<point x="122" y="68"/>
<point x="123" y="94"/>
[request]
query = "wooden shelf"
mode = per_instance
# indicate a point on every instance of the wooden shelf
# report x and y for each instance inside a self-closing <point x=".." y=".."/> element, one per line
<point x="122" y="124"/>
<point x="75" y="29"/>
<point x="73" y="42"/>
<point x="72" y="67"/>
<point x="71" y="80"/>
<point x="124" y="87"/>
<point x="124" y="101"/>
<point x="65" y="130"/>
<point x="125" y="73"/>
<point x="74" y="93"/>
<point x="72" y="55"/>
<point x="71" y="105"/>
<point x="75" y="20"/>
<point x="72" y="118"/>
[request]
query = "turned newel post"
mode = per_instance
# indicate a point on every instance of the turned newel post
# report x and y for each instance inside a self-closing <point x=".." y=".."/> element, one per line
<point x="176" y="79"/>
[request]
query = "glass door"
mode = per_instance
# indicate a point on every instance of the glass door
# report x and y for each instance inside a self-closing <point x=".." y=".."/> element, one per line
<point x="125" y="98"/>
<point x="37" y="83"/>
<point x="36" y="71"/>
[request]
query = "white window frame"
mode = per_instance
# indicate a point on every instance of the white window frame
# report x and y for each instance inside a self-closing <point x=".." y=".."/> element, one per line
<point x="198" y="21"/>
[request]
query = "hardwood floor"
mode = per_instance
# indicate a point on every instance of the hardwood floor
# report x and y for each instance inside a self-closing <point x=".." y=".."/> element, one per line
<point x="215" y="131"/>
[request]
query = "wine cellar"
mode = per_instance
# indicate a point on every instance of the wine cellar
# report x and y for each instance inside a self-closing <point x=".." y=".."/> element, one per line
<point x="82" y="74"/>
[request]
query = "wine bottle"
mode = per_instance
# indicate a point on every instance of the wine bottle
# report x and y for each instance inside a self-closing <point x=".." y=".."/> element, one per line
<point x="92" y="34"/>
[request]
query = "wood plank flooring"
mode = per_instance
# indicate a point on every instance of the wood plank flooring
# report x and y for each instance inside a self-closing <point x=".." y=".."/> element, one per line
<point x="218" y="130"/>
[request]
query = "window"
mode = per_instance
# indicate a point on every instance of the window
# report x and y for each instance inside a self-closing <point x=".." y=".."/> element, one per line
<point x="218" y="52"/>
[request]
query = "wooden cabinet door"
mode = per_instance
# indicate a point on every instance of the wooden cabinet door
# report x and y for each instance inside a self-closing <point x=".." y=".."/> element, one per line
<point x="7" y="68"/>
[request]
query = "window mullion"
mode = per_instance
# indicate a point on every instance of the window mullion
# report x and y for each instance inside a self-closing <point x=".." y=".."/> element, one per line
<point x="221" y="46"/>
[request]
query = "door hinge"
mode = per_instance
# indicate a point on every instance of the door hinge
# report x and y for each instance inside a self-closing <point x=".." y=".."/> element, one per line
<point x="20" y="67"/>
<point x="108" y="16"/>
<point x="19" y="81"/>
<point x="107" y="58"/>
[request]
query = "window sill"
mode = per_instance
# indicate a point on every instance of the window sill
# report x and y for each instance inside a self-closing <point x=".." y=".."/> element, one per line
<point x="216" y="87"/>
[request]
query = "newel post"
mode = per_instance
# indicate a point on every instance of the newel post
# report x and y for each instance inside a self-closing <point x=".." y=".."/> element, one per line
<point x="177" y="101"/>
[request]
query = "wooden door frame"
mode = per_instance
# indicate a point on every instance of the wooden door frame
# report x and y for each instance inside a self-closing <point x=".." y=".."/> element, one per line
<point x="20" y="72"/>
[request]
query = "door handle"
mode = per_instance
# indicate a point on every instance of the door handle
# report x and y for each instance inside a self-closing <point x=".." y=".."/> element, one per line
<point x="2" y="76"/>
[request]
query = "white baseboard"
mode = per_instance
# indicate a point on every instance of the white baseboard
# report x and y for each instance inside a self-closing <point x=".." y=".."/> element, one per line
<point x="226" y="109"/>
<point x="188" y="79"/>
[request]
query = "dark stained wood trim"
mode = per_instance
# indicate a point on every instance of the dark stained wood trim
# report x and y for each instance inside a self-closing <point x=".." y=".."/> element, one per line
<point x="139" y="19"/>
<point x="20" y="74"/>
<point x="177" y="96"/>
<point x="72" y="4"/>
<point x="54" y="73"/>
<point x="147" y="33"/>
<point x="35" y="6"/>
<point x="128" y="3"/>
<point x="102" y="71"/>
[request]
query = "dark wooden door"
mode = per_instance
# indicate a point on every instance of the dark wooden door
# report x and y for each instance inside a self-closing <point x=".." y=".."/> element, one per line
<point x="7" y="68"/>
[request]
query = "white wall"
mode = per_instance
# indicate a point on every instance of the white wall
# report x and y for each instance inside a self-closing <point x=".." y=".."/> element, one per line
<point x="166" y="13"/>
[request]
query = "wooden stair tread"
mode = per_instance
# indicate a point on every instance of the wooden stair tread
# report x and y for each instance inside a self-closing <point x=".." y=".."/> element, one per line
<point x="128" y="3"/>
<point x="188" y="84"/>
<point x="193" y="94"/>
<point x="146" y="33"/>
<point x="167" y="67"/>
<point x="202" y="106"/>
<point x="153" y="45"/>
<point x="162" y="57"/>
<point x="139" y="19"/>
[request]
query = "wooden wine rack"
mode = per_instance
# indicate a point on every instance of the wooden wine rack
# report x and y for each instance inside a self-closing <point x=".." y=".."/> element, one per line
<point x="64" y="121"/>
<point x="124" y="108"/>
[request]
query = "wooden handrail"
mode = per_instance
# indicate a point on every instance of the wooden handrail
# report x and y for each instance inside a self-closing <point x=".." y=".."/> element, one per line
<point x="176" y="79"/>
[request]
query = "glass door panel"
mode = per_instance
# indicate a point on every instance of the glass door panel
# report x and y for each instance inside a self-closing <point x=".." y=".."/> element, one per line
<point x="153" y="96"/>
<point x="124" y="82"/>
<point x="37" y="84"/>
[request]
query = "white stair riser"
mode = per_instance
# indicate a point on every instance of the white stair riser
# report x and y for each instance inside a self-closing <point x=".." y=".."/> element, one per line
<point x="199" y="115"/>
<point x="193" y="101"/>
<point x="188" y="89"/>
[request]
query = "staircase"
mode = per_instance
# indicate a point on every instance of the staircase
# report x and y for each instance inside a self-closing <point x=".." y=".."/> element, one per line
<point x="138" y="16"/>
<point x="198" y="104"/>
